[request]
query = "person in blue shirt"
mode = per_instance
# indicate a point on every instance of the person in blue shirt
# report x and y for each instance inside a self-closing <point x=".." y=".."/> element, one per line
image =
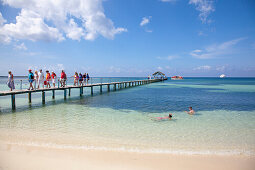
<point x="80" y="79"/>
<point x="30" y="79"/>
<point x="87" y="78"/>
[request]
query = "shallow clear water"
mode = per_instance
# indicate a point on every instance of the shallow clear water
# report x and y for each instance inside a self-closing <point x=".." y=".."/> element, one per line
<point x="123" y="120"/>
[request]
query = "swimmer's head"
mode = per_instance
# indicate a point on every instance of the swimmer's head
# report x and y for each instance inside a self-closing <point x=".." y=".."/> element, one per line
<point x="170" y="115"/>
<point x="190" y="108"/>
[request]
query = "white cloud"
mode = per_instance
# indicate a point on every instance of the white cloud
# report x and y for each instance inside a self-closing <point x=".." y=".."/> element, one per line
<point x="20" y="46"/>
<point x="205" y="7"/>
<point x="221" y="68"/>
<point x="215" y="50"/>
<point x="113" y="69"/>
<point x="201" y="33"/>
<point x="170" y="57"/>
<point x="205" y="67"/>
<point x="149" y="31"/>
<point x="167" y="0"/>
<point x="55" y="20"/>
<point x="145" y="21"/>
<point x="2" y="20"/>
<point x="56" y="68"/>
<point x="159" y="68"/>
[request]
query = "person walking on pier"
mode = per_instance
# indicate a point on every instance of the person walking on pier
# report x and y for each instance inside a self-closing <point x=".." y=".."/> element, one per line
<point x="40" y="79"/>
<point x="87" y="78"/>
<point x="10" y="81"/>
<point x="53" y="77"/>
<point x="63" y="78"/>
<point x="30" y="79"/>
<point x="80" y="79"/>
<point x="84" y="78"/>
<point x="36" y="78"/>
<point x="48" y="79"/>
<point x="76" y="78"/>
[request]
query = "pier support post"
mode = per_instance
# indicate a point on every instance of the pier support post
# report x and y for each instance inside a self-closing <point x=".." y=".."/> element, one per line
<point x="91" y="90"/>
<point x="53" y="94"/>
<point x="114" y="88"/>
<point x="43" y="97"/>
<point x="101" y="89"/>
<point x="13" y="101"/>
<point x="29" y="97"/>
<point x="64" y="94"/>
<point x="125" y="85"/>
<point x="80" y="91"/>
<point x="69" y="92"/>
<point x="108" y="87"/>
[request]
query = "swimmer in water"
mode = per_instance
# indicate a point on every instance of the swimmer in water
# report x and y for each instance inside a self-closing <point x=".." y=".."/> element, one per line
<point x="191" y="111"/>
<point x="164" y="118"/>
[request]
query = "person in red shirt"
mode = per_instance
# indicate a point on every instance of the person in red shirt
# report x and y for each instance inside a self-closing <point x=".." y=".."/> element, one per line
<point x="63" y="78"/>
<point x="53" y="78"/>
<point x="48" y="77"/>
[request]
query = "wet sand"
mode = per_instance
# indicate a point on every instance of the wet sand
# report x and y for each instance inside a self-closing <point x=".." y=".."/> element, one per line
<point x="13" y="157"/>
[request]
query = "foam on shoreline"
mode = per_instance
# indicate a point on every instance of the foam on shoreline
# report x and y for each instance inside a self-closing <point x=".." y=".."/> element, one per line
<point x="133" y="150"/>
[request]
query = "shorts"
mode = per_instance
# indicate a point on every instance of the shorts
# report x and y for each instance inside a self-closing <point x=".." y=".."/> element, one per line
<point x="30" y="81"/>
<point x="53" y="80"/>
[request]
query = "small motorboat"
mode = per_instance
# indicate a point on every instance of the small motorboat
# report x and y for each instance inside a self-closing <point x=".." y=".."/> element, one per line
<point x="177" y="78"/>
<point x="222" y="76"/>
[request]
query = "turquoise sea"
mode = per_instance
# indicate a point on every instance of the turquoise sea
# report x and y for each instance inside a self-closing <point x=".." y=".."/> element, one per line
<point x="122" y="120"/>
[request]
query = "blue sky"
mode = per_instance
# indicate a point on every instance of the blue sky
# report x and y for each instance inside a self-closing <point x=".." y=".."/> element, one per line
<point x="128" y="37"/>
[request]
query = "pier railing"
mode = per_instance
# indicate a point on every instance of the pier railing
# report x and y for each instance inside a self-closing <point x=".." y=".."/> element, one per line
<point x="23" y="84"/>
<point x="93" y="82"/>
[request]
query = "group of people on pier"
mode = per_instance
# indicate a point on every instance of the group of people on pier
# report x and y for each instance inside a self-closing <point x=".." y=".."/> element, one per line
<point x="41" y="80"/>
<point x="80" y="79"/>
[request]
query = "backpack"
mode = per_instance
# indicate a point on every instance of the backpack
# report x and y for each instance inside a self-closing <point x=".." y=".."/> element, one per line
<point x="32" y="76"/>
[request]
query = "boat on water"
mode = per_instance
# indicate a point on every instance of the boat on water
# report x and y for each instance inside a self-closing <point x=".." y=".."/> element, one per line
<point x="222" y="76"/>
<point x="177" y="78"/>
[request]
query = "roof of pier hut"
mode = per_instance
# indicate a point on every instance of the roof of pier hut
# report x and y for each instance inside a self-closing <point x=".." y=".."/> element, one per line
<point x="159" y="74"/>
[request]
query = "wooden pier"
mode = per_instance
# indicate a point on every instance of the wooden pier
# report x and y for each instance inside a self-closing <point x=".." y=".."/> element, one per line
<point x="120" y="85"/>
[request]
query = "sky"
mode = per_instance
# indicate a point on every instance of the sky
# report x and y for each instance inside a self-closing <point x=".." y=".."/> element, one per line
<point x="129" y="38"/>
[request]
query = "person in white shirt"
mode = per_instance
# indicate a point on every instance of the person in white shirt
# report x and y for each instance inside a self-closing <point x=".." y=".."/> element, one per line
<point x="40" y="79"/>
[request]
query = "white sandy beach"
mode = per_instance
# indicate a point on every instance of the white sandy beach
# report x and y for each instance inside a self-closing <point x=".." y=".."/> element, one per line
<point x="13" y="157"/>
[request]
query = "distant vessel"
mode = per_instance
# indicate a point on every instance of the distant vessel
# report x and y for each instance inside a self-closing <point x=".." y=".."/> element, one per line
<point x="222" y="76"/>
<point x="176" y="78"/>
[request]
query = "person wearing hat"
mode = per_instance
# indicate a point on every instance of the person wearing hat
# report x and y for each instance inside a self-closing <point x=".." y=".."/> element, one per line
<point x="53" y="77"/>
<point x="30" y="79"/>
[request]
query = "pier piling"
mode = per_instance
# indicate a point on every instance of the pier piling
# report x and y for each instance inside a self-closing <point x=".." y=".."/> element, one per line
<point x="43" y="97"/>
<point x="101" y="89"/>
<point x="65" y="94"/>
<point x="29" y="97"/>
<point x="13" y="101"/>
<point x="53" y="94"/>
<point x="108" y="87"/>
<point x="91" y="90"/>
